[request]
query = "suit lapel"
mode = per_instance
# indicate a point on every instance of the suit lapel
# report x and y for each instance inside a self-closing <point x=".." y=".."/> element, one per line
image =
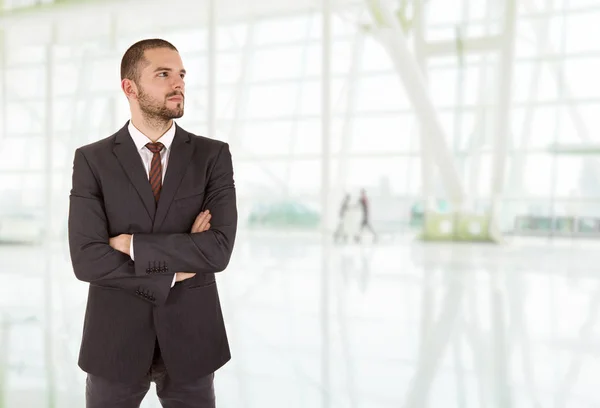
<point x="130" y="160"/>
<point x="179" y="158"/>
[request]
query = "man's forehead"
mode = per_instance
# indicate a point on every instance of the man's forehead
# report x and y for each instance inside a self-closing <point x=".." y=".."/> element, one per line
<point x="161" y="56"/>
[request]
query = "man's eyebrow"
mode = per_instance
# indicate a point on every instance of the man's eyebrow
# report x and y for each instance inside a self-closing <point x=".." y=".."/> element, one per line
<point x="183" y="71"/>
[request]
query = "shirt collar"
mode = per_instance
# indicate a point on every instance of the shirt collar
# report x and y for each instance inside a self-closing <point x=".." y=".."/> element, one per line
<point x="141" y="139"/>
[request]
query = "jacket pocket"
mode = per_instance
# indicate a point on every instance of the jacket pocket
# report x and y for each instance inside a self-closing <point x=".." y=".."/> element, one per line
<point x="202" y="285"/>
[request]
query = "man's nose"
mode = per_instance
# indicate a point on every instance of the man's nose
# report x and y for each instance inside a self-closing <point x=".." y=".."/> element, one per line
<point x="178" y="83"/>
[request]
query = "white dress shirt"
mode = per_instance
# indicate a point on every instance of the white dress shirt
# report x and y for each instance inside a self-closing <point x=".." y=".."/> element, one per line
<point x="146" y="155"/>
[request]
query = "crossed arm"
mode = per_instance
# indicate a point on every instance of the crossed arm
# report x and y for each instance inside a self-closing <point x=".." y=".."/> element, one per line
<point x="98" y="262"/>
<point x="122" y="242"/>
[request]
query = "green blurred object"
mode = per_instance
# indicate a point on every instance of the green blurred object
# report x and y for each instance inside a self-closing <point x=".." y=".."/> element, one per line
<point x="417" y="212"/>
<point x="456" y="227"/>
<point x="565" y="224"/>
<point x="576" y="149"/>
<point x="546" y="224"/>
<point x="287" y="213"/>
<point x="533" y="224"/>
<point x="570" y="226"/>
<point x="589" y="225"/>
<point x="417" y="216"/>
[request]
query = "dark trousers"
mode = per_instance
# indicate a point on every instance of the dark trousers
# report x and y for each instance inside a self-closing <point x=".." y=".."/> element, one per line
<point x="102" y="393"/>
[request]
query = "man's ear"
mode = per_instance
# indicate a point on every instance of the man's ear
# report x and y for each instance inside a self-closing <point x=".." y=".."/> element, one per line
<point x="129" y="88"/>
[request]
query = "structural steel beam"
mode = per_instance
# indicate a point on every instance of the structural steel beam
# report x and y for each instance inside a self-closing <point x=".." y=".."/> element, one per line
<point x="503" y="118"/>
<point x="392" y="37"/>
<point x="326" y="243"/>
<point x="427" y="165"/>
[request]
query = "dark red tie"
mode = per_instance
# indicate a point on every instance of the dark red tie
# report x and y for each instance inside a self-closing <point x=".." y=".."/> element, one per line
<point x="155" y="169"/>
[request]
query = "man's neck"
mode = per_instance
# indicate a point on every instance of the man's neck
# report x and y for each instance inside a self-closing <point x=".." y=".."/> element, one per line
<point x="152" y="129"/>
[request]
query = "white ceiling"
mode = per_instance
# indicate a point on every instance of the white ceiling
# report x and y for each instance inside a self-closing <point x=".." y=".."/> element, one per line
<point x="179" y="13"/>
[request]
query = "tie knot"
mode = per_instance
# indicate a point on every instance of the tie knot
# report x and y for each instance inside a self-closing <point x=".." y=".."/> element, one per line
<point x="155" y="147"/>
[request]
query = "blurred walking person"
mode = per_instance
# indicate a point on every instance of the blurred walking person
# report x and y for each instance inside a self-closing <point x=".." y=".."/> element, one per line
<point x="365" y="222"/>
<point x="342" y="231"/>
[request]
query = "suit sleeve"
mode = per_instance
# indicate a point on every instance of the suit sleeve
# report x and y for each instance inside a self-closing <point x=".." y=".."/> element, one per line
<point x="93" y="259"/>
<point x="204" y="252"/>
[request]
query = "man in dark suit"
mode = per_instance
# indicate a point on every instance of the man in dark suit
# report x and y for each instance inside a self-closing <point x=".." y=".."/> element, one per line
<point x="152" y="218"/>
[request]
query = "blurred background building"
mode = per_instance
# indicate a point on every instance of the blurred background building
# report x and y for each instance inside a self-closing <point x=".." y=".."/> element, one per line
<point x="472" y="125"/>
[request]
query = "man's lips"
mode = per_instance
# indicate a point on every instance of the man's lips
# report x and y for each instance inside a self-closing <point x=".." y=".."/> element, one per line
<point x="176" y="98"/>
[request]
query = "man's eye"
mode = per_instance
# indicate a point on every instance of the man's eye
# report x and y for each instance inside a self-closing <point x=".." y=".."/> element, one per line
<point x="162" y="74"/>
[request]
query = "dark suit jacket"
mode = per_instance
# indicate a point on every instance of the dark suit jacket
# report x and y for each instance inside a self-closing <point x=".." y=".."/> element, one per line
<point x="131" y="303"/>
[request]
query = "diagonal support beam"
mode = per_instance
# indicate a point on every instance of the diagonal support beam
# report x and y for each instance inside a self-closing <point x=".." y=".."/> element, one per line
<point x="390" y="34"/>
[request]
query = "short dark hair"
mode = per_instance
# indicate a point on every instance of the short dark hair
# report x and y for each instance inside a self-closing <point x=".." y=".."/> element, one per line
<point x="135" y="55"/>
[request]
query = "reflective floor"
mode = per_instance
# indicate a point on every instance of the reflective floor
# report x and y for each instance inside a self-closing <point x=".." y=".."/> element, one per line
<point x="396" y="324"/>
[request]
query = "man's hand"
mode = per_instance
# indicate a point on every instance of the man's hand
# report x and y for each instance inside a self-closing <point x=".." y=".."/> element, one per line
<point x="201" y="224"/>
<point x="181" y="276"/>
<point x="121" y="243"/>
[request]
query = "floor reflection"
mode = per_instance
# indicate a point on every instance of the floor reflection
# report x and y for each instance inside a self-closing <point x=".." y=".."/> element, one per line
<point x="406" y="324"/>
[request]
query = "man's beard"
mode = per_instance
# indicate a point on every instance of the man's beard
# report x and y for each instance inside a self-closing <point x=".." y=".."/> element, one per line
<point x="157" y="111"/>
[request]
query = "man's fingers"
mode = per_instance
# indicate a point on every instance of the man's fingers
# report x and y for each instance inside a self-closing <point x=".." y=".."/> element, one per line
<point x="181" y="276"/>
<point x="200" y="225"/>
<point x="202" y="216"/>
<point x="200" y="219"/>
<point x="203" y="225"/>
